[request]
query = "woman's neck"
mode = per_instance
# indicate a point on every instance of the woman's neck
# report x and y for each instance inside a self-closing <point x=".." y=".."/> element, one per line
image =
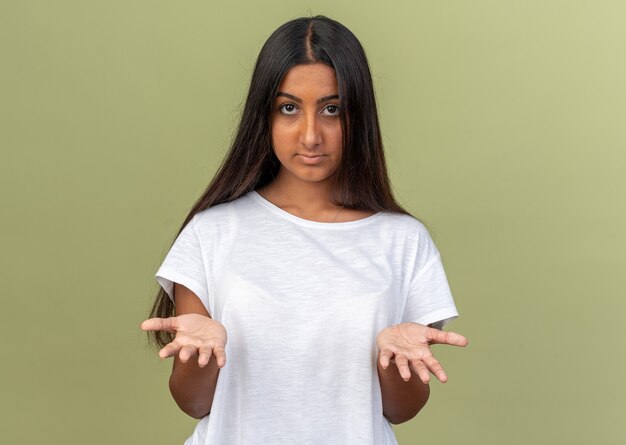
<point x="307" y="199"/>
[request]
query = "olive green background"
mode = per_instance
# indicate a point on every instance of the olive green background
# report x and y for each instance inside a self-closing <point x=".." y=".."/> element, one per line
<point x="503" y="124"/>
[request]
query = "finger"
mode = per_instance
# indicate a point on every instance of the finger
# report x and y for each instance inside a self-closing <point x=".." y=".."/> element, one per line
<point x="204" y="355"/>
<point x="186" y="352"/>
<point x="385" y="358"/>
<point x="160" y="324"/>
<point x="403" y="367"/>
<point x="220" y="355"/>
<point x="170" y="349"/>
<point x="446" y="337"/>
<point x="436" y="368"/>
<point x="421" y="370"/>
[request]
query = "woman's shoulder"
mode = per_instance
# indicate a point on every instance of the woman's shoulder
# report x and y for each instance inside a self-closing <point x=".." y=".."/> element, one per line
<point x="405" y="222"/>
<point x="226" y="212"/>
<point x="407" y="230"/>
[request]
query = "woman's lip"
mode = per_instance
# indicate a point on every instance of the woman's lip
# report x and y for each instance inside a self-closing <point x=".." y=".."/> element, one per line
<point x="311" y="159"/>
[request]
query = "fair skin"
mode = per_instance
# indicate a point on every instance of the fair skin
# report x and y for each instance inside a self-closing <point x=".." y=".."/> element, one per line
<point x="307" y="139"/>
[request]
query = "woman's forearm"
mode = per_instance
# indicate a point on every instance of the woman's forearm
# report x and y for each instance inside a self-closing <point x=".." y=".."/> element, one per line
<point x="193" y="387"/>
<point x="401" y="400"/>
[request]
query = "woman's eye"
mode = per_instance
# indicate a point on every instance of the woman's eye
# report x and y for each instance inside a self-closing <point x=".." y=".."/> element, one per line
<point x="333" y="110"/>
<point x="287" y="108"/>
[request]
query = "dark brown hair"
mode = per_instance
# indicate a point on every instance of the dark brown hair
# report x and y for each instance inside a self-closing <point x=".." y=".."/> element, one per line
<point x="362" y="179"/>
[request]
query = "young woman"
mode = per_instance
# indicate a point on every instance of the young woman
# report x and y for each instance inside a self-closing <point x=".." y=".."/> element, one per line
<point x="303" y="291"/>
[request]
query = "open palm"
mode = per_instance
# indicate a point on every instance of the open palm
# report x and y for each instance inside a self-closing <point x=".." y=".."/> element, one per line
<point x="194" y="333"/>
<point x="409" y="343"/>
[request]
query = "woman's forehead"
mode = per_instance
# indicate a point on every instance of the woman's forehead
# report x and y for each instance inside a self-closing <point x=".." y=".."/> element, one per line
<point x="315" y="79"/>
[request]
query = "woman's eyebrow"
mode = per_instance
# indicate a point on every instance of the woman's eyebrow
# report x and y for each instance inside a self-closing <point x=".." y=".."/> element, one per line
<point x="297" y="99"/>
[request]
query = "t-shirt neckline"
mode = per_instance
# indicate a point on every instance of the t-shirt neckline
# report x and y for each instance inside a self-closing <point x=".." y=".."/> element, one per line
<point x="309" y="223"/>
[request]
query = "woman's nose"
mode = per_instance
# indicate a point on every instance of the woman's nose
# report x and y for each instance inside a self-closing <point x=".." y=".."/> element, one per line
<point x="311" y="133"/>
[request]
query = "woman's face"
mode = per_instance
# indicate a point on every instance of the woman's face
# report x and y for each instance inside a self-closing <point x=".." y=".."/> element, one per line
<point x="305" y="123"/>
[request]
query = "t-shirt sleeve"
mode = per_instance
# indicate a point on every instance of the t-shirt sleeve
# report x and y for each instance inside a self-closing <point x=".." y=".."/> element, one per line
<point x="429" y="300"/>
<point x="184" y="264"/>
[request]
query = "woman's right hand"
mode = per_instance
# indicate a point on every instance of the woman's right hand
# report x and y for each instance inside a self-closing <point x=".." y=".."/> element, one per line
<point x="194" y="333"/>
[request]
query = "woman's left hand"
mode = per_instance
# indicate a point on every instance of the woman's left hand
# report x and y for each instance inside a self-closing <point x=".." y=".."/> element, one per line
<point x="410" y="343"/>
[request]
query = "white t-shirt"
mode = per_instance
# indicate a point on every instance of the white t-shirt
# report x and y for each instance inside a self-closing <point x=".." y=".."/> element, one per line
<point x="302" y="303"/>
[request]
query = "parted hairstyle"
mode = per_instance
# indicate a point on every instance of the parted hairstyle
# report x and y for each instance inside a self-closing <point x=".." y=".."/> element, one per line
<point x="362" y="181"/>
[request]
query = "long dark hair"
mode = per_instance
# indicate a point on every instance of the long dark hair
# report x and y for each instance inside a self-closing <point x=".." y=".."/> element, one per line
<point x="362" y="179"/>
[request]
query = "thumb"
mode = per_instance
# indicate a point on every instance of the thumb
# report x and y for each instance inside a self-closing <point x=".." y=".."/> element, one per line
<point x="446" y="337"/>
<point x="160" y="324"/>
